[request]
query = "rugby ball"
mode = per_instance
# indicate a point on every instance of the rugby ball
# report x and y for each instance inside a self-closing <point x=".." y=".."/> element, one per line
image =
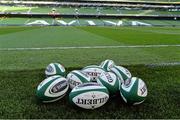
<point x="107" y="65"/>
<point x="76" y="77"/>
<point x="134" y="91"/>
<point x="55" y="69"/>
<point x="110" y="81"/>
<point x="89" y="95"/>
<point x="93" y="71"/>
<point x="121" y="72"/>
<point x="52" y="89"/>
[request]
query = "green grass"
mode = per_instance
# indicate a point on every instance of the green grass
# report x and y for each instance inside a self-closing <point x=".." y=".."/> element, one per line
<point x="18" y="100"/>
<point x="63" y="36"/>
<point x="22" y="71"/>
<point x="15" y="8"/>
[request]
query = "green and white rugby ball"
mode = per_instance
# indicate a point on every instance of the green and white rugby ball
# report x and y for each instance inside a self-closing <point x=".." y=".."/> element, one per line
<point x="107" y="65"/>
<point x="93" y="71"/>
<point x="89" y="95"/>
<point x="110" y="81"/>
<point x="77" y="77"/>
<point x="52" y="89"/>
<point x="134" y="91"/>
<point x="55" y="69"/>
<point x="121" y="72"/>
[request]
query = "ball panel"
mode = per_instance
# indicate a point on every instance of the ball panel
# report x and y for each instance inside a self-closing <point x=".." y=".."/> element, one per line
<point x="93" y="66"/>
<point x="77" y="77"/>
<point x="104" y="65"/>
<point x="107" y="65"/>
<point x="108" y="77"/>
<point x="127" y="72"/>
<point x="43" y="86"/>
<point x="142" y="89"/>
<point x="57" y="88"/>
<point x="50" y="80"/>
<point x="127" y="85"/>
<point x="73" y="80"/>
<point x="110" y="81"/>
<point x="50" y="100"/>
<point x="129" y="92"/>
<point x="120" y="72"/>
<point x="60" y="70"/>
<point x="86" y="87"/>
<point x="50" y="70"/>
<point x="123" y="97"/>
<point x="111" y="89"/>
<point x="93" y="72"/>
<point x="55" y="69"/>
<point x="91" y="99"/>
<point x="52" y="88"/>
<point x="89" y="95"/>
<point x="75" y="93"/>
<point x="137" y="103"/>
<point x="83" y="77"/>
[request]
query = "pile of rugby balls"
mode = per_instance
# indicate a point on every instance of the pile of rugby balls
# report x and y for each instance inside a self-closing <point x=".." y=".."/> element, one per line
<point x="92" y="86"/>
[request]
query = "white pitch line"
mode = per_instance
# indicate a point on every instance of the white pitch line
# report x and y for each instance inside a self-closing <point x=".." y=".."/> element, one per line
<point x="88" y="47"/>
<point x="164" y="64"/>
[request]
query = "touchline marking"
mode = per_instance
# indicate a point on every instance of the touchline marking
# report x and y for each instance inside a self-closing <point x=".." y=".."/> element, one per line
<point x="163" y="64"/>
<point x="88" y="47"/>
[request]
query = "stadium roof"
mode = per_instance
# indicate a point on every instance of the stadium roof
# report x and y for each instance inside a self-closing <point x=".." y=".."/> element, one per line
<point x="111" y="1"/>
<point x="97" y="3"/>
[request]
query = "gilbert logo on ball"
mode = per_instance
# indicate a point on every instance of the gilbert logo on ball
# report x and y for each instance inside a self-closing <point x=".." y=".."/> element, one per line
<point x="134" y="91"/>
<point x="93" y="71"/>
<point x="55" y="69"/>
<point x="89" y="95"/>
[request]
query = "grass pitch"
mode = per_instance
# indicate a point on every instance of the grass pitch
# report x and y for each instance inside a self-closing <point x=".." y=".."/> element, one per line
<point x="22" y="70"/>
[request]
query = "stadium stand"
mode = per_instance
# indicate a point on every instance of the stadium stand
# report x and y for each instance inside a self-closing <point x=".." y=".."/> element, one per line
<point x="88" y="12"/>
